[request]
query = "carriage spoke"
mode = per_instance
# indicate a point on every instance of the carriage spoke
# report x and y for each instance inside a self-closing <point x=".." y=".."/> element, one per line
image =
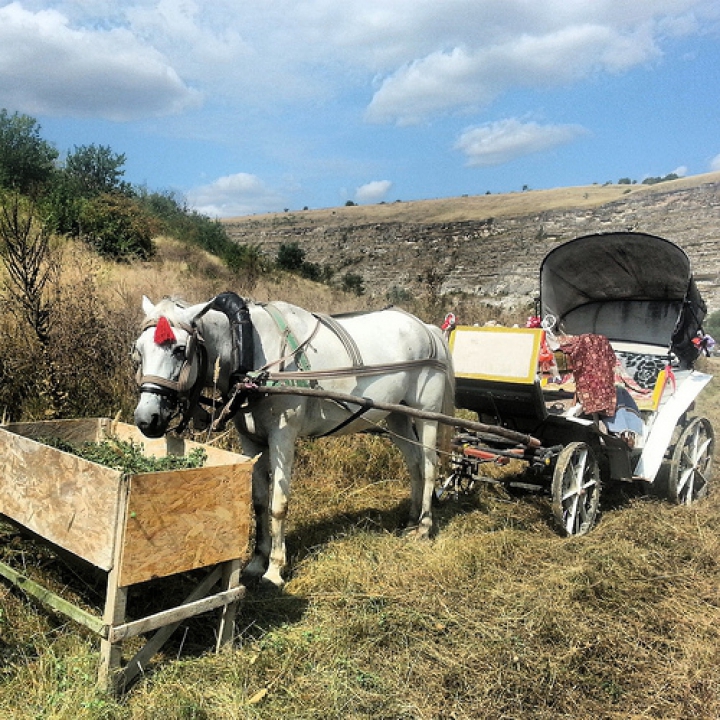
<point x="702" y="451"/>
<point x="691" y="465"/>
<point x="576" y="489"/>
<point x="571" y="522"/>
<point x="685" y="486"/>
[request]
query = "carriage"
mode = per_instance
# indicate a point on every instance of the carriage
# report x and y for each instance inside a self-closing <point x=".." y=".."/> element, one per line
<point x="603" y="378"/>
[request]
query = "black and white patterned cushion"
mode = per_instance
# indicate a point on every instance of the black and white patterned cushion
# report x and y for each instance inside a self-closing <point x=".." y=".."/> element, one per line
<point x="643" y="369"/>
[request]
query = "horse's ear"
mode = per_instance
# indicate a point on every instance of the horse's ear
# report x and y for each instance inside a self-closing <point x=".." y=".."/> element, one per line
<point x="195" y="312"/>
<point x="147" y="305"/>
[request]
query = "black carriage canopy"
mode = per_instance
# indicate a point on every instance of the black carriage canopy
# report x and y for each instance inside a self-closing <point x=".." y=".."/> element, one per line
<point x="628" y="286"/>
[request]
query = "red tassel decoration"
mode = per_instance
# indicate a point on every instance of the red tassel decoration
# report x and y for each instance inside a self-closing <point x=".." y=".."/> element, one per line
<point x="163" y="332"/>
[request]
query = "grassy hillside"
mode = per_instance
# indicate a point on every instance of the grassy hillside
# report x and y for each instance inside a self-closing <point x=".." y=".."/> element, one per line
<point x="496" y="618"/>
<point x="477" y="207"/>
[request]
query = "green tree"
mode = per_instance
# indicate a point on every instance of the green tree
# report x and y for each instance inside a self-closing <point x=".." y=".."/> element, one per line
<point x="61" y="205"/>
<point x="354" y="283"/>
<point x="96" y="169"/>
<point x="27" y="162"/>
<point x="290" y="257"/>
<point x="117" y="226"/>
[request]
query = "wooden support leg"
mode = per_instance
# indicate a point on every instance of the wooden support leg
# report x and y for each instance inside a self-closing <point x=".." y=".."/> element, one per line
<point x="109" y="675"/>
<point x="226" y="628"/>
<point x="137" y="664"/>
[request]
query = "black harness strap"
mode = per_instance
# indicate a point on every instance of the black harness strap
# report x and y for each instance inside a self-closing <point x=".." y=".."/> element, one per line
<point x="243" y="345"/>
<point x="351" y="418"/>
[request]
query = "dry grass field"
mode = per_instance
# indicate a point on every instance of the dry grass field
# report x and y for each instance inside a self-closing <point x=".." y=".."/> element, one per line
<point x="497" y="618"/>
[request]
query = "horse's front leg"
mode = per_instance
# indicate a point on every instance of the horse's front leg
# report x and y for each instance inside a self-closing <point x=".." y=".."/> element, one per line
<point x="261" y="501"/>
<point x="282" y="455"/>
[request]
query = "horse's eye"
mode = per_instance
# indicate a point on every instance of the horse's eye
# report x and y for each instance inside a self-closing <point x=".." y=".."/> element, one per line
<point x="179" y="352"/>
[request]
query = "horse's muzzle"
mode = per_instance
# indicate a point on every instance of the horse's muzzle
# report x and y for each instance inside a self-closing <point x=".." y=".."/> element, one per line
<point x="151" y="418"/>
<point x="152" y="428"/>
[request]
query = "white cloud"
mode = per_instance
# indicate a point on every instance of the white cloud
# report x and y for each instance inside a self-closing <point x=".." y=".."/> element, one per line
<point x="680" y="171"/>
<point x="144" y="57"/>
<point x="463" y="77"/>
<point x="715" y="164"/>
<point x="499" y="142"/>
<point x="373" y="192"/>
<point x="233" y="195"/>
<point x="46" y="67"/>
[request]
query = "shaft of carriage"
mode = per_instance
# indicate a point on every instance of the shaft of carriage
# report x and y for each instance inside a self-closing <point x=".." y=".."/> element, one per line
<point x="369" y="403"/>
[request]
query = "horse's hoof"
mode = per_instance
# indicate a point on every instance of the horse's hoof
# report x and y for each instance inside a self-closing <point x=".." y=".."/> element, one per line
<point x="416" y="532"/>
<point x="272" y="578"/>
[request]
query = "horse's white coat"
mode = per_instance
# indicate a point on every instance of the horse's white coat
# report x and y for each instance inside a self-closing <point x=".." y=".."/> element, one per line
<point x="273" y="423"/>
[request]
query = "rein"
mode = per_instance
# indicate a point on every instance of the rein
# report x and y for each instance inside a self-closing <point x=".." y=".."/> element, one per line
<point x="362" y="371"/>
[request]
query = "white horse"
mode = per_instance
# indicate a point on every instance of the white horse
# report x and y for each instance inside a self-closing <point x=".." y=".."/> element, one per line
<point x="388" y="356"/>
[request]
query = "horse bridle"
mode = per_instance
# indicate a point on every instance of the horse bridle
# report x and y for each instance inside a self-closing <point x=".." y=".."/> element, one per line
<point x="182" y="391"/>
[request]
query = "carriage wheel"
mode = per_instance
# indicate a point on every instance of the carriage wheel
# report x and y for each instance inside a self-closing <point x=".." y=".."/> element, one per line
<point x="691" y="465"/>
<point x="576" y="489"/>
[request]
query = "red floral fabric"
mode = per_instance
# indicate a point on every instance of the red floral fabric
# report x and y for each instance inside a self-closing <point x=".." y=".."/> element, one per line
<point x="593" y="365"/>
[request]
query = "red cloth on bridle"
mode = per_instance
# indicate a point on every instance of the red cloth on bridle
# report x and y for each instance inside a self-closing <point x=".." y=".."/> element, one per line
<point x="163" y="332"/>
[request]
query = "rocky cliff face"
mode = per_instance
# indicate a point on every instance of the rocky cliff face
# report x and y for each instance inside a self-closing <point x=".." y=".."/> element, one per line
<point x="496" y="258"/>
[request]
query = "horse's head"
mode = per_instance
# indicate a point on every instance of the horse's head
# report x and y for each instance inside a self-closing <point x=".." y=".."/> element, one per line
<point x="171" y="364"/>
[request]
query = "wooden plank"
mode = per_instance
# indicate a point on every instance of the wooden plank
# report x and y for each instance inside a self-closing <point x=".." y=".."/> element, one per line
<point x="138" y="662"/>
<point x="73" y="502"/>
<point x="174" y="615"/>
<point x="186" y="519"/>
<point x="54" y="601"/>
<point x="59" y="496"/>
<point x="226" y="628"/>
<point x="73" y="431"/>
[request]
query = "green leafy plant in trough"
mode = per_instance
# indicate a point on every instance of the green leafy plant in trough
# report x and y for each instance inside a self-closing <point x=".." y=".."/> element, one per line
<point x="128" y="456"/>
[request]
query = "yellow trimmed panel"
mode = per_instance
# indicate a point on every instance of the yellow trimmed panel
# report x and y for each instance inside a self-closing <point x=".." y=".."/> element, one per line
<point x="498" y="354"/>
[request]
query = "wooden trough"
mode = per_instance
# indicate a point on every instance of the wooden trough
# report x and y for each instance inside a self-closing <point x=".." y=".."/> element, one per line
<point x="133" y="527"/>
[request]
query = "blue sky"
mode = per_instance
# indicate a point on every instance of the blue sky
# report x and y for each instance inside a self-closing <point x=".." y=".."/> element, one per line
<point x="251" y="106"/>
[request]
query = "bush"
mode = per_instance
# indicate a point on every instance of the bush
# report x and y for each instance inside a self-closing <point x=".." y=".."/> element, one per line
<point x="201" y="231"/>
<point x="290" y="257"/>
<point x="117" y="226"/>
<point x="78" y="365"/>
<point x="353" y="283"/>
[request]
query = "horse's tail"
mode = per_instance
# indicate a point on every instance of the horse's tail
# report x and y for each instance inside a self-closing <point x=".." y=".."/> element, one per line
<point x="446" y="432"/>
